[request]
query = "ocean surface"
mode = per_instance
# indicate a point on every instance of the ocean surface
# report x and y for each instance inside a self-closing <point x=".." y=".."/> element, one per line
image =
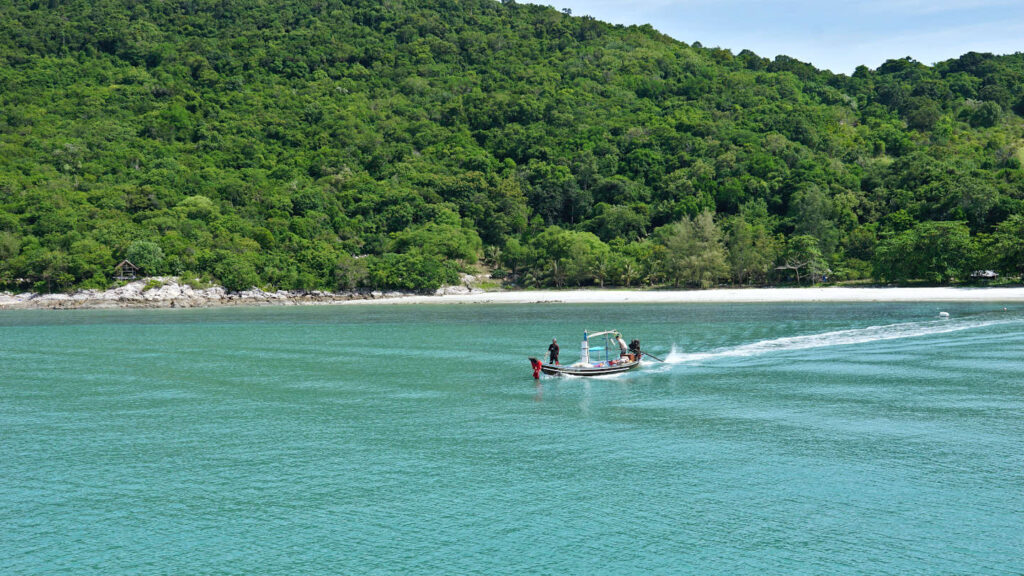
<point x="775" y="439"/>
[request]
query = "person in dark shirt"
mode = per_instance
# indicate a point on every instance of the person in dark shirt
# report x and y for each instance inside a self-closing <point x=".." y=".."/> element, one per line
<point x="634" y="349"/>
<point x="553" y="351"/>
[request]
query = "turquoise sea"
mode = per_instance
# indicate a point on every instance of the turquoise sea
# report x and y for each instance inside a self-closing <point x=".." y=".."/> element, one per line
<point x="399" y="439"/>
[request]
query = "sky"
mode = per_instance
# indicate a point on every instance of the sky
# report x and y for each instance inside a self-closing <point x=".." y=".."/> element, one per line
<point x="833" y="35"/>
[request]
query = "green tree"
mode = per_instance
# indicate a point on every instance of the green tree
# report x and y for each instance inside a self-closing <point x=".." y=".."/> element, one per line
<point x="695" y="254"/>
<point x="350" y="272"/>
<point x="1008" y="245"/>
<point x="566" y="256"/>
<point x="924" y="114"/>
<point x="514" y="255"/>
<point x="811" y="210"/>
<point x="802" y="253"/>
<point x="986" y="115"/>
<point x="148" y="256"/>
<point x="612" y="222"/>
<point x="237" y="273"/>
<point x="90" y="262"/>
<point x="439" y="240"/>
<point x="930" y="251"/>
<point x="418" y="272"/>
<point x="752" y="251"/>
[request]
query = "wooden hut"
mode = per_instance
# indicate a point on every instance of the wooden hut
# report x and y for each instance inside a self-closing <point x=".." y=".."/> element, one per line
<point x="125" y="270"/>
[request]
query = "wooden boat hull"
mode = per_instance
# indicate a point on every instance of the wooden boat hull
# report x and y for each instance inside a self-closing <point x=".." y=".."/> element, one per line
<point x="599" y="369"/>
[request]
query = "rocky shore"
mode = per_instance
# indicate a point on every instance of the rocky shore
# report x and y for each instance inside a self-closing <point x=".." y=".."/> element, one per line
<point x="171" y="292"/>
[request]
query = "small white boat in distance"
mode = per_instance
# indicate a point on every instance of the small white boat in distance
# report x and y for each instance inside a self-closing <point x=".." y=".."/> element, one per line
<point x="612" y="357"/>
<point x="943" y="314"/>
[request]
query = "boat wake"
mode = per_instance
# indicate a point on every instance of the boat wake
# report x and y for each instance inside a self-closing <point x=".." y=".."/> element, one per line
<point x="835" y="338"/>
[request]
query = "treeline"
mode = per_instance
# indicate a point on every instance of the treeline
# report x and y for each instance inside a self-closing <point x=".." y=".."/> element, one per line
<point x="336" y="144"/>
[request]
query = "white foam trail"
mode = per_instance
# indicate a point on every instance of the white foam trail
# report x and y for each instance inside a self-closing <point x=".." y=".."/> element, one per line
<point x="836" y="338"/>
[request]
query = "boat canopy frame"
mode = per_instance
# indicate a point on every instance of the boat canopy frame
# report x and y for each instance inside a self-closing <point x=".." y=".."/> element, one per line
<point x="610" y="336"/>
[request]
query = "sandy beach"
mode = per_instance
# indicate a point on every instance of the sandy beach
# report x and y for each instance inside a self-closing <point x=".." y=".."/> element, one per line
<point x="722" y="295"/>
<point x="172" y="294"/>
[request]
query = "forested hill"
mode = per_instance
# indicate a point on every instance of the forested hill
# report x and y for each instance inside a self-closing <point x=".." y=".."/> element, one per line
<point x="329" y="143"/>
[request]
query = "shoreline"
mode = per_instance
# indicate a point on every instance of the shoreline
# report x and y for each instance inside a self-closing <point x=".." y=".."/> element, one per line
<point x="723" y="296"/>
<point x="170" y="293"/>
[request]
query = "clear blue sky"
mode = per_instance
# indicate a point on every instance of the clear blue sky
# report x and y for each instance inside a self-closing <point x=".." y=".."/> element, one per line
<point x="833" y="35"/>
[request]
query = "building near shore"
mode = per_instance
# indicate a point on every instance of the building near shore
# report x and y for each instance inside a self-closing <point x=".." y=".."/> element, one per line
<point x="125" y="270"/>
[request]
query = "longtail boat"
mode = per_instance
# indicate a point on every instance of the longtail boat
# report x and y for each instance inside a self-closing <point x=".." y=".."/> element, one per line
<point x="608" y="356"/>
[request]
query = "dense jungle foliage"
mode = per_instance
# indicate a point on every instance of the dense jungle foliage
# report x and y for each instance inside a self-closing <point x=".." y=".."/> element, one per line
<point x="392" y="143"/>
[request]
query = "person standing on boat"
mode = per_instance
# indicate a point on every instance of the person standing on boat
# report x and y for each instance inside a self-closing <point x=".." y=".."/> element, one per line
<point x="553" y="351"/>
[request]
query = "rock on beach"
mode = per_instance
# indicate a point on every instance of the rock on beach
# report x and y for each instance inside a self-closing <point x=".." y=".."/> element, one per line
<point x="172" y="292"/>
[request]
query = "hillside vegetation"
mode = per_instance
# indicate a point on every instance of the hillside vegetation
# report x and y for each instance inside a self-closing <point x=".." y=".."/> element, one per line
<point x="336" y="144"/>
